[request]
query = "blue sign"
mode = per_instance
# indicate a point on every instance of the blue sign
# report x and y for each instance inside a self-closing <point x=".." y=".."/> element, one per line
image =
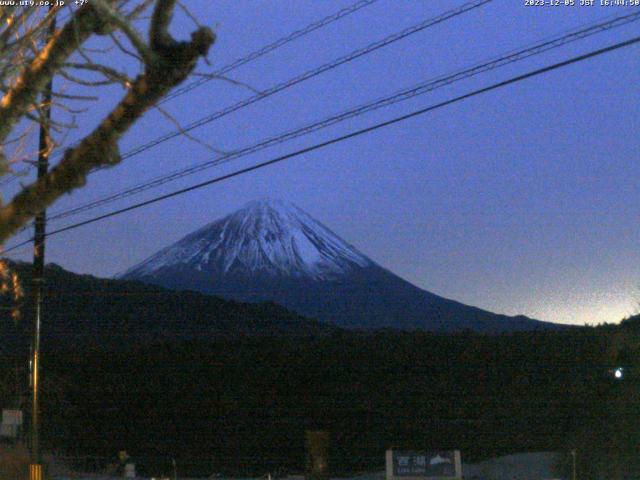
<point x="424" y="464"/>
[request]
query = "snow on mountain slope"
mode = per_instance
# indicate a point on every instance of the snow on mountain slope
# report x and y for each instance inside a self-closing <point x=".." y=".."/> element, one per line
<point x="269" y="237"/>
<point x="270" y="250"/>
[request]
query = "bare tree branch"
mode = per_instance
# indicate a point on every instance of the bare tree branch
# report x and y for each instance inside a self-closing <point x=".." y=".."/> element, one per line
<point x="114" y="18"/>
<point x="160" y="20"/>
<point x="36" y="76"/>
<point x="191" y="137"/>
<point x="230" y="80"/>
<point x="169" y="64"/>
<point x="108" y="72"/>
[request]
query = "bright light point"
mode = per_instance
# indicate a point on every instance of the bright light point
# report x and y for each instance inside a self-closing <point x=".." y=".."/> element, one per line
<point x="618" y="373"/>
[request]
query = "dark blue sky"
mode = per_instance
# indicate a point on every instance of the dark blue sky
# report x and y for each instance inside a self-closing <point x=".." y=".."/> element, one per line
<point x="524" y="200"/>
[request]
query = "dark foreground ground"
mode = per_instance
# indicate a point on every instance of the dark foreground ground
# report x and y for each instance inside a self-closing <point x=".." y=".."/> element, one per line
<point x="241" y="405"/>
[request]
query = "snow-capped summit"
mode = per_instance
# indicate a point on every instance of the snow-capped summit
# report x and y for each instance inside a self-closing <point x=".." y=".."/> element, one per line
<point x="271" y="250"/>
<point x="265" y="237"/>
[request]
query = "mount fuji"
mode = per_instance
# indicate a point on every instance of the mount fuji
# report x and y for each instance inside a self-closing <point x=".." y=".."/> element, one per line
<point x="270" y="250"/>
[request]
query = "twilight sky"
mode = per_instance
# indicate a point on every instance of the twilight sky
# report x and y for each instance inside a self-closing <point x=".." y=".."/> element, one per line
<point x="524" y="200"/>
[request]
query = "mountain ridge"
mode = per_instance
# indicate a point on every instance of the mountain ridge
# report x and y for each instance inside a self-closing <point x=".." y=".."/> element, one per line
<point x="83" y="310"/>
<point x="273" y="250"/>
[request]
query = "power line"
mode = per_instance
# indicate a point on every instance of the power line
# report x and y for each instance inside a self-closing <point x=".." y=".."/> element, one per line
<point x="294" y="81"/>
<point x="420" y="89"/>
<point x="348" y="136"/>
<point x="272" y="46"/>
<point x="305" y="76"/>
<point x="249" y="58"/>
<point x="466" y="7"/>
<point x="372" y="47"/>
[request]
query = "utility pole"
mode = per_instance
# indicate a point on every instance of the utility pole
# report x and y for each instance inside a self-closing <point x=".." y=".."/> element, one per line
<point x="44" y="145"/>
